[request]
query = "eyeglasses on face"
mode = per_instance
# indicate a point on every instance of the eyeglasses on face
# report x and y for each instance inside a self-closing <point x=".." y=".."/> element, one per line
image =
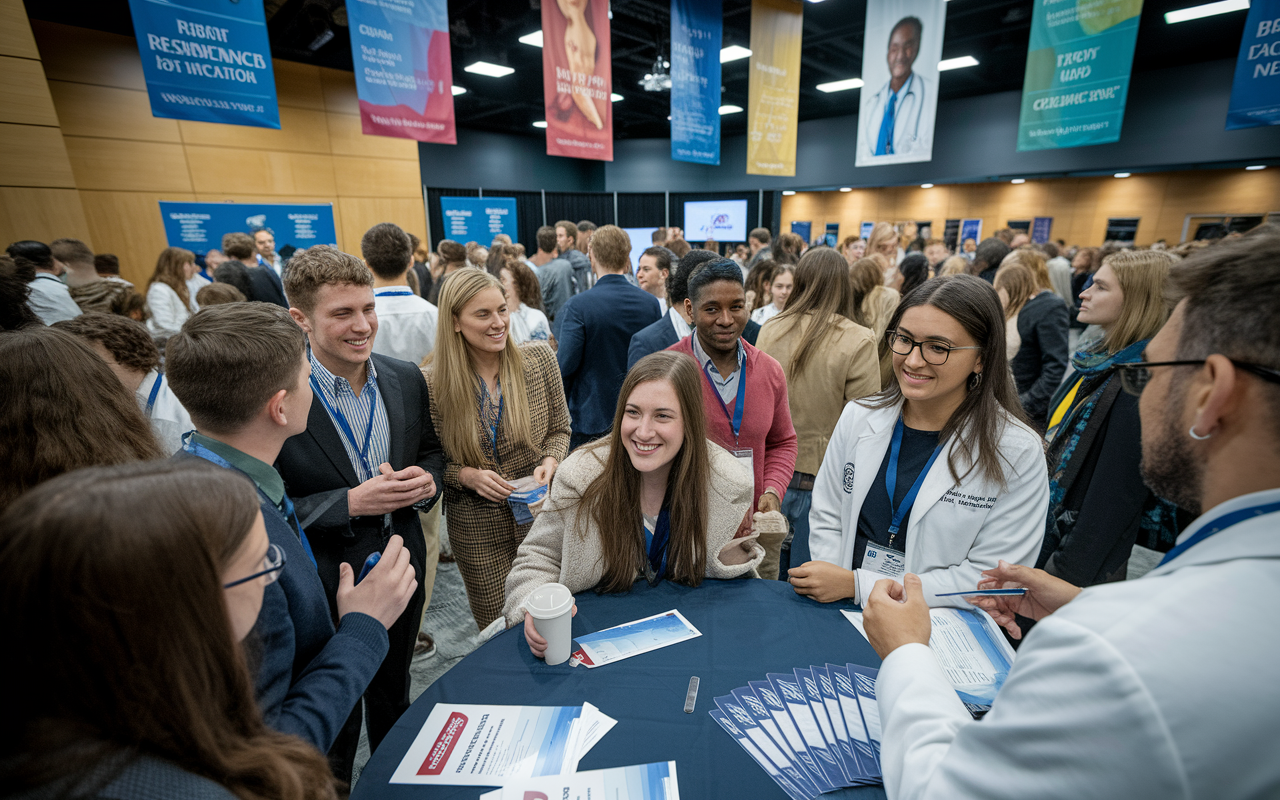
<point x="1134" y="377"/>
<point x="935" y="353"/>
<point x="272" y="563"/>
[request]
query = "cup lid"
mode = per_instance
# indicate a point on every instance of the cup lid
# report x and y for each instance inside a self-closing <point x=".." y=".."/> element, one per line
<point x="549" y="600"/>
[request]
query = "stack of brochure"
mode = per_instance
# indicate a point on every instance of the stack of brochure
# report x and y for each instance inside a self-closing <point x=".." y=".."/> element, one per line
<point x="641" y="782"/>
<point x="812" y="730"/>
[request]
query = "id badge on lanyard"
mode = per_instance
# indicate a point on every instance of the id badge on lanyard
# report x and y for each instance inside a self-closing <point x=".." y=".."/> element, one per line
<point x="884" y="560"/>
<point x="745" y="459"/>
<point x="743" y="454"/>
<point x="887" y="559"/>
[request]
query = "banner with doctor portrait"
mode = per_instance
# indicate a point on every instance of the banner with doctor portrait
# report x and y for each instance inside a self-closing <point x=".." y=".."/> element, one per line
<point x="899" y="102"/>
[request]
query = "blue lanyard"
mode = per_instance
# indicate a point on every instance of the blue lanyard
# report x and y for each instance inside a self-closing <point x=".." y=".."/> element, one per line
<point x="657" y="544"/>
<point x="1218" y="526"/>
<point x="739" y="404"/>
<point x="200" y="451"/>
<point x="155" y="392"/>
<point x="493" y="429"/>
<point x="396" y="293"/>
<point x="891" y="480"/>
<point x="336" y="413"/>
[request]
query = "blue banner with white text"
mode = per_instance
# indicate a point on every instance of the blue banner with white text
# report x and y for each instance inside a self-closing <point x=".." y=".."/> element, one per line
<point x="207" y="60"/>
<point x="479" y="219"/>
<point x="199" y="227"/>
<point x="802" y="229"/>
<point x="696" y="27"/>
<point x="1255" y="92"/>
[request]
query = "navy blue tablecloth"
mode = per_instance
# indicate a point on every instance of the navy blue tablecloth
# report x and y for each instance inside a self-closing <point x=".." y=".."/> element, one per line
<point x="749" y="628"/>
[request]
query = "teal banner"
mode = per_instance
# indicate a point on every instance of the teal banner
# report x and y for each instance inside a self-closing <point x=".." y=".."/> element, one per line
<point x="1077" y="75"/>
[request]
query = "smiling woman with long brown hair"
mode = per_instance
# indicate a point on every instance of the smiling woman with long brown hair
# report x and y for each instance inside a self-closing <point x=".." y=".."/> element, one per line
<point x="129" y="589"/>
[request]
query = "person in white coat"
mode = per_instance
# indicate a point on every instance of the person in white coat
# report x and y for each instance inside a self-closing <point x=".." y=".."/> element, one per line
<point x="168" y="296"/>
<point x="898" y="119"/>
<point x="1161" y="687"/>
<point x="938" y="474"/>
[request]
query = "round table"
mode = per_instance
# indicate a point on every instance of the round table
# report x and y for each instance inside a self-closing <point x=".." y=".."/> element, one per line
<point x="749" y="628"/>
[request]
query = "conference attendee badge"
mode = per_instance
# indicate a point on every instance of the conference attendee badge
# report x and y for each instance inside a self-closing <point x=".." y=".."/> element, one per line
<point x="885" y="560"/>
<point x="744" y="458"/>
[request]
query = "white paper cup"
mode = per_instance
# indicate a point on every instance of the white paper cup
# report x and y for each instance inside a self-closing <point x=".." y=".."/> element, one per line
<point x="551" y="607"/>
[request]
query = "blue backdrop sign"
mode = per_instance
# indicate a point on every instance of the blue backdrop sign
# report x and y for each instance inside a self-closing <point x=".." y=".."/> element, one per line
<point x="207" y="60"/>
<point x="1255" y="92"/>
<point x="970" y="229"/>
<point x="199" y="227"/>
<point x="1040" y="228"/>
<point x="478" y="219"/>
<point x="802" y="229"/>
<point x="696" y="28"/>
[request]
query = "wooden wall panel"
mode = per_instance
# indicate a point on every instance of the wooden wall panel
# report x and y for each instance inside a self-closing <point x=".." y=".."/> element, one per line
<point x="15" y="32"/>
<point x="24" y="94"/>
<point x="41" y="214"/>
<point x="85" y="56"/>
<point x="377" y="177"/>
<point x="129" y="225"/>
<point x="361" y="214"/>
<point x="348" y="139"/>
<point x="298" y="85"/>
<point x="110" y="113"/>
<point x="32" y="155"/>
<point x="261" y="172"/>
<point x="301" y="131"/>
<point x="339" y="91"/>
<point x="125" y="165"/>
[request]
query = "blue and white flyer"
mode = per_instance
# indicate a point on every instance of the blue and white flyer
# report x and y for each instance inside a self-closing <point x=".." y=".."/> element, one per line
<point x="481" y="745"/>
<point x="640" y="782"/>
<point x="632" y="639"/>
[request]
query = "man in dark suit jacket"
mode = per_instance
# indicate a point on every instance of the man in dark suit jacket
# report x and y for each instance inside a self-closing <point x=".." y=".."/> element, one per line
<point x="368" y="461"/>
<point x="264" y="284"/>
<point x="607" y="317"/>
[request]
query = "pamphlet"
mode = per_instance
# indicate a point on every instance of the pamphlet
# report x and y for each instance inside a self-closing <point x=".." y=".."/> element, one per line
<point x="641" y="782"/>
<point x="632" y="639"/>
<point x="483" y="745"/>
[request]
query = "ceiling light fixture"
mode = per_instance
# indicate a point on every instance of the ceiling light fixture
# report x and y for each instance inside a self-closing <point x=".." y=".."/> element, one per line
<point x="1206" y="10"/>
<point x="926" y="186"/>
<point x="840" y="86"/>
<point x="1018" y="180"/>
<point x="846" y="188"/>
<point x="1122" y="174"/>
<point x="491" y="70"/>
<point x="542" y="123"/>
<point x="457" y="90"/>
<point x="788" y="193"/>
<point x="615" y="97"/>
<point x="533" y="39"/>
<point x="1255" y="168"/>
<point x="733" y="52"/>
<point x="957" y="63"/>
<point x="729" y="109"/>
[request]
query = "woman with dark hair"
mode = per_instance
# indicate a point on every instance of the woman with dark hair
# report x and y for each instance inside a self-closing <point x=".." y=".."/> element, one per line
<point x="453" y="257"/>
<point x="872" y="304"/>
<point x="14" y="291"/>
<point x="654" y="500"/>
<point x="168" y="295"/>
<point x="757" y="283"/>
<point x="64" y="409"/>
<point x="524" y="300"/>
<point x="939" y="474"/>
<point x="912" y="271"/>
<point x="828" y="360"/>
<point x="133" y="681"/>
<point x="780" y="288"/>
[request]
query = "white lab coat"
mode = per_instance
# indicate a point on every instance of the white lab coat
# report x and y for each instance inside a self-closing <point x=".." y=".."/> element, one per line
<point x="169" y="419"/>
<point x="912" y="124"/>
<point x="954" y="532"/>
<point x="168" y="313"/>
<point x="1162" y="687"/>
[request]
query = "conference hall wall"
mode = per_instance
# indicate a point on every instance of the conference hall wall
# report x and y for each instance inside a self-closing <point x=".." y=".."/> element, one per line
<point x="119" y="161"/>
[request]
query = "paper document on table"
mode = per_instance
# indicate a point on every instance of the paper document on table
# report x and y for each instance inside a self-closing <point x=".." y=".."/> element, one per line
<point x="632" y="639"/>
<point x="640" y="782"/>
<point x="483" y="745"/>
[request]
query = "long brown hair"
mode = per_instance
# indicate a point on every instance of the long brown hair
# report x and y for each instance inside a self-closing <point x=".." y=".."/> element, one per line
<point x="822" y="291"/>
<point x="1019" y="283"/>
<point x="169" y="272"/>
<point x="979" y="422"/>
<point x="64" y="409"/>
<point x="865" y="276"/>
<point x="526" y="283"/>
<point x="612" y="500"/>
<point x="111" y="577"/>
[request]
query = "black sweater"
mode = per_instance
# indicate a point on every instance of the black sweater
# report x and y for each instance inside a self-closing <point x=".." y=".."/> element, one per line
<point x="1042" y="359"/>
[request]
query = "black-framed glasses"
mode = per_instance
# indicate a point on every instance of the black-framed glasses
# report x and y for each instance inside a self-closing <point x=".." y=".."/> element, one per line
<point x="272" y="563"/>
<point x="932" y="352"/>
<point x="1134" y="377"/>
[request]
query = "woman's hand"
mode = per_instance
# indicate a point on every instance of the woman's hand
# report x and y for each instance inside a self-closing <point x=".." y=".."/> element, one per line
<point x="538" y="645"/>
<point x="486" y="483"/>
<point x="1045" y="595"/>
<point x="823" y="581"/>
<point x="543" y="473"/>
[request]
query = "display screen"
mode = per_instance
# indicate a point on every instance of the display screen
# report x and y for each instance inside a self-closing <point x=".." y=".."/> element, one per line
<point x="641" y="240"/>
<point x="722" y="220"/>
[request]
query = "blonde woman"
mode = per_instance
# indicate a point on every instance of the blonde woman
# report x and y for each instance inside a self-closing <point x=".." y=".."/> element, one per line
<point x="956" y="265"/>
<point x="1042" y="327"/>
<point x="884" y="241"/>
<point x="1016" y="285"/>
<point x="167" y="292"/>
<point x="873" y="304"/>
<point x="501" y="414"/>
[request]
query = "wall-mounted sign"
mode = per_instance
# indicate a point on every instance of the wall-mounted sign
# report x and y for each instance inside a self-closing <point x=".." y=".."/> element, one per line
<point x="478" y="219"/>
<point x="199" y="227"/>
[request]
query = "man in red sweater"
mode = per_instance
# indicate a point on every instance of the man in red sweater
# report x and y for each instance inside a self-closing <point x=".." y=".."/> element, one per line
<point x="744" y="389"/>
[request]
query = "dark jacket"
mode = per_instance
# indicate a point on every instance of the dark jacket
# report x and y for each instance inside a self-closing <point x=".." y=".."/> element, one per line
<point x="661" y="335"/>
<point x="1042" y="359"/>
<point x="594" y="330"/>
<point x="266" y="286"/>
<point x="581" y="269"/>
<point x="557" y="282"/>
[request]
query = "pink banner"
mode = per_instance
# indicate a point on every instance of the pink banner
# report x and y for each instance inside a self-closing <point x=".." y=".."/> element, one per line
<point x="577" y="79"/>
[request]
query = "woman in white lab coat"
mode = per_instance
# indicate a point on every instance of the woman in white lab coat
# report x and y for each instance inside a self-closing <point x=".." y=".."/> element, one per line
<point x="168" y="296"/>
<point x="938" y="474"/>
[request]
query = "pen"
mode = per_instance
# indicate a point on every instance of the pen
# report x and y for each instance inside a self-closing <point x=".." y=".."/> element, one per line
<point x="986" y="593"/>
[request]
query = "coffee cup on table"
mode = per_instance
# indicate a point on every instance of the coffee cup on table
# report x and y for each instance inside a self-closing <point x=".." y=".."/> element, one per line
<point x="551" y="607"/>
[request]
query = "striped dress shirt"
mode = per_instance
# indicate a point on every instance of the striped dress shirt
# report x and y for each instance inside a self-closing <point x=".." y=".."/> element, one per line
<point x="336" y="394"/>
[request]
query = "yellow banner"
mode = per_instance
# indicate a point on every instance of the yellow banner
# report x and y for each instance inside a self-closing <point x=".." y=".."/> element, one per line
<point x="774" y="97"/>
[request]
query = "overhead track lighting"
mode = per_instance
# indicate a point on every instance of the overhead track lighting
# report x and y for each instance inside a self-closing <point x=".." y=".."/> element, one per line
<point x="457" y="90"/>
<point x="733" y="52"/>
<point x="533" y="39"/>
<point x="729" y="109"/>
<point x="840" y="86"/>
<point x="491" y="70"/>
<point x="957" y="63"/>
<point x="1206" y="10"/>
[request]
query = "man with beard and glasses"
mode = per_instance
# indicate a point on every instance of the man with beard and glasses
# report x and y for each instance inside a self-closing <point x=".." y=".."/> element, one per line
<point x="1161" y="687"/>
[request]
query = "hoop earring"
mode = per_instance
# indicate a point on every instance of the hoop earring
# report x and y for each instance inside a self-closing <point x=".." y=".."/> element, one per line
<point x="975" y="380"/>
<point x="1192" y="433"/>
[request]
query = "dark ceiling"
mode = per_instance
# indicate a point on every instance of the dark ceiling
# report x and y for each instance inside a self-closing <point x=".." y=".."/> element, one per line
<point x="993" y="31"/>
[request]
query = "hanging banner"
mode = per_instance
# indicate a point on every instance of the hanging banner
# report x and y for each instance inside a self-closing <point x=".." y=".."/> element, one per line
<point x="899" y="101"/>
<point x="404" y="75"/>
<point x="1255" y="92"/>
<point x="199" y="227"/>
<point x="207" y="61"/>
<point x="1077" y="75"/>
<point x="576" y="78"/>
<point x="696" y="28"/>
<point x="773" y="91"/>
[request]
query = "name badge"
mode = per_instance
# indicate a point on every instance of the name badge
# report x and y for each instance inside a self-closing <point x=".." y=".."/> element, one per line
<point x="884" y="560"/>
<point x="744" y="458"/>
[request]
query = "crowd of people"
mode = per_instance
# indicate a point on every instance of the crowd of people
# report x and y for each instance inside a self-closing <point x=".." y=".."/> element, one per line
<point x="263" y="445"/>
